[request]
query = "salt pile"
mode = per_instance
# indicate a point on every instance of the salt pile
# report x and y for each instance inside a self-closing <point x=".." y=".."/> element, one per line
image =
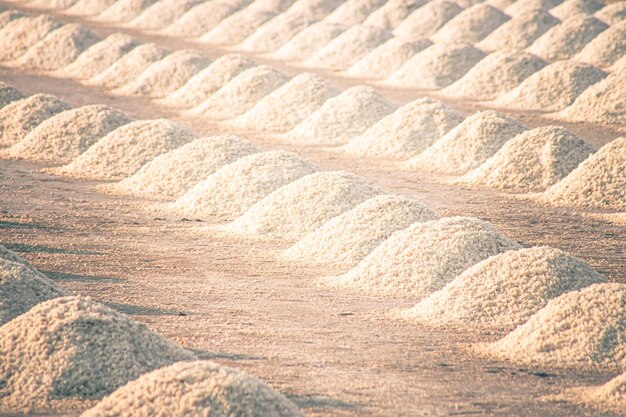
<point x="471" y="25"/>
<point x="570" y="8"/>
<point x="9" y="255"/>
<point x="436" y="67"/>
<point x="567" y="39"/>
<point x="20" y="117"/>
<point x="598" y="182"/>
<point x="241" y="93"/>
<point x="383" y="60"/>
<point x="66" y="135"/>
<point x="89" y="7"/>
<point x="406" y="132"/>
<point x="165" y="76"/>
<point x="606" y="48"/>
<point x="21" y="34"/>
<point x="505" y="290"/>
<point x="209" y="80"/>
<point x="428" y="19"/>
<point x="177" y="171"/>
<point x="343" y="117"/>
<point x="202" y="18"/>
<point x="552" y="88"/>
<point x="52" y="4"/>
<point x="304" y="205"/>
<point x="124" y="10"/>
<point x="353" y="12"/>
<point x="524" y="6"/>
<point x="532" y="161"/>
<point x="199" y="388"/>
<point x="9" y="16"/>
<point x="425" y="257"/>
<point x="8" y="94"/>
<point x="469" y="144"/>
<point x="307" y="42"/>
<point x="99" y="57"/>
<point x="580" y="329"/>
<point x="123" y="151"/>
<point x="612" y="13"/>
<point x="348" y="238"/>
<point x="519" y="32"/>
<point x="288" y="105"/>
<point x="497" y="73"/>
<point x="610" y="397"/>
<point x="236" y="187"/>
<point x="162" y="13"/>
<point x="72" y="349"/>
<point x="392" y="13"/>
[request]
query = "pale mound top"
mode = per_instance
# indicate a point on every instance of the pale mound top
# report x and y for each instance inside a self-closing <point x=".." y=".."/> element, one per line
<point x="612" y="13"/>
<point x="162" y="13"/>
<point x="9" y="94"/>
<point x="606" y="48"/>
<point x="471" y="25"/>
<point x="392" y="13"/>
<point x="569" y="8"/>
<point x="428" y="19"/>
<point x="203" y="17"/>
<point x="522" y="6"/>
<point x="124" y="10"/>
<point x="353" y="12"/>
<point x="306" y="43"/>
<point x="519" y="32"/>
<point x="21" y="34"/>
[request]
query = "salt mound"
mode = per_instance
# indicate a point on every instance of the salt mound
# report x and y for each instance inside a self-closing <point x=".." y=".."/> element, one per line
<point x="598" y="182"/>
<point x="392" y="13"/>
<point x="569" y="8"/>
<point x="519" y="32"/>
<point x="532" y="161"/>
<point x="123" y="151"/>
<point x="347" y="48"/>
<point x="497" y="73"/>
<point x="307" y="42"/>
<point x="353" y="12"/>
<point x="304" y="205"/>
<point x="471" y="25"/>
<point x="128" y="67"/>
<point x="241" y="93"/>
<point x="288" y="105"/>
<point x="406" y="132"/>
<point x="21" y="288"/>
<point x="610" y="397"/>
<point x="552" y="88"/>
<point x="20" y="117"/>
<point x="21" y="34"/>
<point x="99" y="57"/>
<point x="202" y="18"/>
<point x="505" y="290"/>
<point x="239" y="25"/>
<point x="567" y="39"/>
<point x="612" y="13"/>
<point x="124" y="10"/>
<point x="66" y="135"/>
<point x="524" y="6"/>
<point x="436" y="67"/>
<point x="425" y="257"/>
<point x="73" y="349"/>
<point x="343" y="117"/>
<point x="199" y="388"/>
<point x="165" y="76"/>
<point x="9" y="16"/>
<point x="175" y="172"/>
<point x="162" y="13"/>
<point x="52" y="4"/>
<point x="208" y="81"/>
<point x="234" y="188"/>
<point x="8" y="94"/>
<point x="580" y="329"/>
<point x="428" y="19"/>
<point x="383" y="60"/>
<point x="10" y="256"/>
<point x="348" y="238"/>
<point x="606" y="48"/>
<point x="469" y="144"/>
<point x="89" y="7"/>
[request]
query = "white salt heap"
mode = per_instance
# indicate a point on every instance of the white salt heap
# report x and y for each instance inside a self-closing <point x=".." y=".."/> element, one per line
<point x="123" y="151"/>
<point x="9" y="255"/>
<point x="436" y="67"/>
<point x="524" y="6"/>
<point x="519" y="32"/>
<point x="124" y="10"/>
<point x="567" y="39"/>
<point x="66" y="135"/>
<point x="89" y="7"/>
<point x="497" y="73"/>
<point x="288" y="105"/>
<point x="21" y="34"/>
<point x="569" y="8"/>
<point x="353" y="12"/>
<point x="392" y="13"/>
<point x="9" y="16"/>
<point x="20" y="117"/>
<point x="503" y="291"/>
<point x="200" y="388"/>
<point x="532" y="161"/>
<point x="612" y="13"/>
<point x="343" y="117"/>
<point x="606" y="48"/>
<point x="471" y="25"/>
<point x="209" y="80"/>
<point x="580" y="329"/>
<point x="610" y="397"/>
<point x="162" y="13"/>
<point x="428" y="19"/>
<point x="8" y="94"/>
<point x="241" y="93"/>
<point x="307" y="42"/>
<point x="234" y="188"/>
<point x="406" y="132"/>
<point x="425" y="257"/>
<point x="175" y="172"/>
<point x="73" y="349"/>
<point x="202" y="18"/>
<point x="598" y="182"/>
<point x="304" y="205"/>
<point x="348" y="238"/>
<point x="383" y="60"/>
<point x="552" y="88"/>
<point x="469" y="144"/>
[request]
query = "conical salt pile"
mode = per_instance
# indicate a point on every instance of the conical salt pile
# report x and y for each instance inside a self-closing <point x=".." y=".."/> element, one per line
<point x="88" y="7"/>
<point x="124" y="10"/>
<point x="606" y="48"/>
<point x="523" y="6"/>
<point x="202" y="18"/>
<point x="21" y="34"/>
<point x="471" y="25"/>
<point x="392" y="13"/>
<point x="353" y="12"/>
<point x="382" y="61"/>
<point x="8" y="95"/>
<point x="428" y="19"/>
<point x="162" y="13"/>
<point x="306" y="43"/>
<point x="612" y="13"/>
<point x="570" y="8"/>
<point x="519" y="32"/>
<point x="9" y="16"/>
<point x="610" y="397"/>
<point x="9" y="255"/>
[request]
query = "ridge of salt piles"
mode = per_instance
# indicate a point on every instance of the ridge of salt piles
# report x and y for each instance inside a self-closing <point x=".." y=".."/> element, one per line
<point x="349" y="237"/>
<point x="234" y="188"/>
<point x="87" y="8"/>
<point x="606" y="48"/>
<point x="123" y="11"/>
<point x="532" y="161"/>
<point x="307" y="42"/>
<point x="406" y="132"/>
<point x="523" y="6"/>
<point x="471" y="25"/>
<point x="342" y="117"/>
<point x="610" y="397"/>
<point x="579" y="329"/>
<point x="18" y="118"/>
<point x="64" y="136"/>
<point x="612" y="13"/>
<point x="123" y="151"/>
<point x="161" y="14"/>
<point x="427" y="20"/>
<point x="469" y="144"/>
<point x="353" y="12"/>
<point x="303" y="205"/>
<point x="392" y="13"/>
<point x="173" y="173"/>
<point x="424" y="257"/>
<point x="519" y="32"/>
<point x="505" y="290"/>
<point x="569" y="8"/>
<point x="195" y="388"/>
<point x="8" y="94"/>
<point x="202" y="17"/>
<point x="21" y="34"/>
<point x="69" y="350"/>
